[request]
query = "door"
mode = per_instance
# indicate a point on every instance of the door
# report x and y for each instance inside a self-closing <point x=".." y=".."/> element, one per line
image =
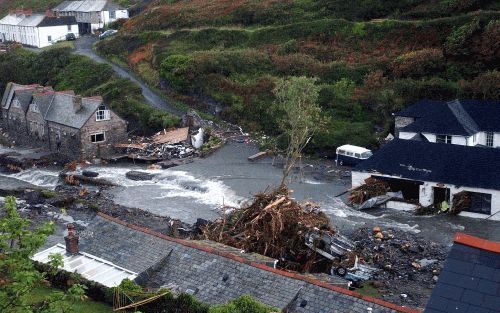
<point x="441" y="194"/>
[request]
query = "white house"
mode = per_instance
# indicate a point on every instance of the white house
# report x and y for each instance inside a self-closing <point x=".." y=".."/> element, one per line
<point x="92" y="14"/>
<point x="37" y="30"/>
<point x="430" y="173"/>
<point x="460" y="122"/>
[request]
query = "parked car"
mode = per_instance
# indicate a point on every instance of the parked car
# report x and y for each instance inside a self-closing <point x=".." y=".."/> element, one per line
<point x="351" y="155"/>
<point x="70" y="37"/>
<point x="108" y="33"/>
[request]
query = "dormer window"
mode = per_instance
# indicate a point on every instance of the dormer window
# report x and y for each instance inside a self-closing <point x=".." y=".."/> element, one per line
<point x="16" y="103"/>
<point x="102" y="114"/>
<point x="443" y="138"/>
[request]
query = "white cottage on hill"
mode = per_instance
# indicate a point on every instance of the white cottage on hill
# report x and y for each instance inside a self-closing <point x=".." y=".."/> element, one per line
<point x="91" y="14"/>
<point x="37" y="30"/>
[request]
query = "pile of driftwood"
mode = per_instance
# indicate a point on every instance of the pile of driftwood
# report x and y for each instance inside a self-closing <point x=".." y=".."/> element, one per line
<point x="274" y="225"/>
<point x="371" y="188"/>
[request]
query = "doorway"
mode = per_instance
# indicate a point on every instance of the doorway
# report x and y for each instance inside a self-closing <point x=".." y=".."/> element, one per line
<point x="441" y="194"/>
<point x="84" y="28"/>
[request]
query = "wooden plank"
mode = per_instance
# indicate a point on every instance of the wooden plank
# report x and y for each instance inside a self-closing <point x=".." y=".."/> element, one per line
<point x="257" y="156"/>
<point x="171" y="137"/>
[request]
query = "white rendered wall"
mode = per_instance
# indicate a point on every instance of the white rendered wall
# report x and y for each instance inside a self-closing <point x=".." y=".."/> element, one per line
<point x="406" y="135"/>
<point x="430" y="137"/>
<point x="56" y="33"/>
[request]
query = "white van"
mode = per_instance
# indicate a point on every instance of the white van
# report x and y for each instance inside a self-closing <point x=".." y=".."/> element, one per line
<point x="352" y="155"/>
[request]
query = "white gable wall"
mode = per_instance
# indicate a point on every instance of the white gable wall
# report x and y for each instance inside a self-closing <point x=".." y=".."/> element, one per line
<point x="57" y="33"/>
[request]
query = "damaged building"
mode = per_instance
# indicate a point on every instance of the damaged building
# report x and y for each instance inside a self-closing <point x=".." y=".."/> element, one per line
<point x="69" y="125"/>
<point x="432" y="173"/>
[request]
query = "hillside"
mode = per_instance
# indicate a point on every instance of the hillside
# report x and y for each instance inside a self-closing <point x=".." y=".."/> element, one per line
<point x="372" y="58"/>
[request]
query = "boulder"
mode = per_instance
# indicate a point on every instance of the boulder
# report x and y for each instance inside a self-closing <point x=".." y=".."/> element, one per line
<point x="90" y="173"/>
<point x="139" y="176"/>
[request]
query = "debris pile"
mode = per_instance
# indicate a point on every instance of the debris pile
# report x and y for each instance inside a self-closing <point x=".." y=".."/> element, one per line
<point x="370" y="189"/>
<point x="461" y="202"/>
<point x="274" y="225"/>
<point x="165" y="145"/>
<point x="405" y="260"/>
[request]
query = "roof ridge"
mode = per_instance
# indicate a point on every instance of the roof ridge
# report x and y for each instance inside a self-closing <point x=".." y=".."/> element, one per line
<point x="463" y="116"/>
<point x="292" y="275"/>
<point x="476" y="242"/>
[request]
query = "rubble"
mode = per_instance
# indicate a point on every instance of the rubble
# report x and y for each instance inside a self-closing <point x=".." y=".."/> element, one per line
<point x="372" y="188"/>
<point x="408" y="264"/>
<point x="274" y="225"/>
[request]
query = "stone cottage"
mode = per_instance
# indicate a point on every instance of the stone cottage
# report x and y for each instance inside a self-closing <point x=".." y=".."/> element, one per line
<point x="73" y="126"/>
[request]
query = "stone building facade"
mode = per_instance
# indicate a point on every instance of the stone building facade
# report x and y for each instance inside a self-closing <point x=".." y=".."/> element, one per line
<point x="72" y="126"/>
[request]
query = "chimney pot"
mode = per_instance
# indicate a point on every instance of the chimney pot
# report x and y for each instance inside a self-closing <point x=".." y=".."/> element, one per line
<point x="77" y="103"/>
<point x="72" y="240"/>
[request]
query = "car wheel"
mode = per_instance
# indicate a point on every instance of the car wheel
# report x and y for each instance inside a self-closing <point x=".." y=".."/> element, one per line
<point x="341" y="271"/>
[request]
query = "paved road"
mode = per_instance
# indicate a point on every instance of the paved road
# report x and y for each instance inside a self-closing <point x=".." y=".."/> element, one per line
<point x="83" y="46"/>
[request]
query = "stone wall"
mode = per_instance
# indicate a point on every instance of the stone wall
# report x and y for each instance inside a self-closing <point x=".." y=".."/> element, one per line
<point x="400" y="122"/>
<point x="115" y="130"/>
<point x="64" y="140"/>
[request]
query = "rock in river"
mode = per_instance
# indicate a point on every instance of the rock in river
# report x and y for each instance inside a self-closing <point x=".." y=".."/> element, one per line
<point x="137" y="175"/>
<point x="90" y="173"/>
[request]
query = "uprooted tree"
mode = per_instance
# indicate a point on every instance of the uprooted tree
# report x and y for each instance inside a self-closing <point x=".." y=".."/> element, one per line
<point x="296" y="101"/>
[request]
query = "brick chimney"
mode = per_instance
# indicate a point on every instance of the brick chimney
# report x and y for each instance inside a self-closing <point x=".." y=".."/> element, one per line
<point x="28" y="12"/>
<point x="58" y="14"/>
<point x="72" y="240"/>
<point x="48" y="13"/>
<point x="77" y="103"/>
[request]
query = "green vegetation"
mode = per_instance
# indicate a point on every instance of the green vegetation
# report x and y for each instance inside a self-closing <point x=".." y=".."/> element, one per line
<point x="40" y="293"/>
<point x="233" y="53"/>
<point x="63" y="70"/>
<point x="19" y="279"/>
<point x="48" y="193"/>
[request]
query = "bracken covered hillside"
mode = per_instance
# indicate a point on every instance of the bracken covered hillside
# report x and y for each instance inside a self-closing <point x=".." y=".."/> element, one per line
<point x="371" y="57"/>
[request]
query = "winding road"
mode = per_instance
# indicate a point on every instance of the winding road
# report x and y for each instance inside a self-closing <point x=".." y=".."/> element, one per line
<point x="83" y="46"/>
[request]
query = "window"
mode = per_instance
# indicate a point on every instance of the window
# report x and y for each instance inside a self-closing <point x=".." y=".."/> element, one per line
<point x="480" y="203"/>
<point x="49" y="38"/>
<point x="443" y="138"/>
<point x="34" y="108"/>
<point x="16" y="103"/>
<point x="99" y="137"/>
<point x="112" y="14"/>
<point x="489" y="139"/>
<point x="102" y="114"/>
<point x="69" y="28"/>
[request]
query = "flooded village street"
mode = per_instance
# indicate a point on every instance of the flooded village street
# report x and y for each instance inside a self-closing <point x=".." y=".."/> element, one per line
<point x="226" y="178"/>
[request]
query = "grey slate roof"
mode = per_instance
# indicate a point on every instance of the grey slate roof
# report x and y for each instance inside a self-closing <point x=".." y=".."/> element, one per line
<point x="469" y="282"/>
<point x="43" y="101"/>
<point x="57" y="21"/>
<point x="213" y="278"/>
<point x="24" y="97"/>
<point x="86" y="6"/>
<point x="61" y="110"/>
<point x="458" y="117"/>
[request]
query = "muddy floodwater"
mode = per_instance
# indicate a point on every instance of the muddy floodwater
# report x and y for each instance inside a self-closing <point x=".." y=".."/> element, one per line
<point x="226" y="178"/>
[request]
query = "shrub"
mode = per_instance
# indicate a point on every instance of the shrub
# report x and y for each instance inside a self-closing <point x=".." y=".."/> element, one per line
<point x="415" y="64"/>
<point x="243" y="304"/>
<point x="175" y="69"/>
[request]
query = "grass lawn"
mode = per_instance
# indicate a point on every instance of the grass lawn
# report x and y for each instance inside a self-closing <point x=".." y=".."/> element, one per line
<point x="79" y="307"/>
<point x="61" y="44"/>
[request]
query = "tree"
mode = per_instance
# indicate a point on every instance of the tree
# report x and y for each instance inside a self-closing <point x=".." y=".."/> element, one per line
<point x="296" y="100"/>
<point x="18" y="276"/>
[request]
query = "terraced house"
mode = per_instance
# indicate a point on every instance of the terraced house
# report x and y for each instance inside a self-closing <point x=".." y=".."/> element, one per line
<point x="73" y="126"/>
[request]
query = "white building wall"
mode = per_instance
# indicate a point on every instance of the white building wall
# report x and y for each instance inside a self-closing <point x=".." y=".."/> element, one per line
<point x="56" y="33"/>
<point x="459" y="140"/>
<point x="496" y="140"/>
<point x="406" y="135"/>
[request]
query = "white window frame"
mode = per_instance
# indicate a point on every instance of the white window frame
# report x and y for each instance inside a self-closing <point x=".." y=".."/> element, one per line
<point x="95" y="134"/>
<point x="102" y="114"/>
<point x="489" y="139"/>
<point x="447" y="139"/>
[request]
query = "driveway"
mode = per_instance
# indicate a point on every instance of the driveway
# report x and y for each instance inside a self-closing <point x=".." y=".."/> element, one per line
<point x="83" y="46"/>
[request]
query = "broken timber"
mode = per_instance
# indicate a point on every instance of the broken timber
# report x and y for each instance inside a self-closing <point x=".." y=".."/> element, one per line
<point x="257" y="156"/>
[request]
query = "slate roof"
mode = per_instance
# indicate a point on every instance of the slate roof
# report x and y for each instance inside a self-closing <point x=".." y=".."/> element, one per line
<point x="61" y="110"/>
<point x="437" y="162"/>
<point x="86" y="6"/>
<point x="57" y="21"/>
<point x="470" y="279"/>
<point x="214" y="276"/>
<point x="24" y="97"/>
<point x="458" y="117"/>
